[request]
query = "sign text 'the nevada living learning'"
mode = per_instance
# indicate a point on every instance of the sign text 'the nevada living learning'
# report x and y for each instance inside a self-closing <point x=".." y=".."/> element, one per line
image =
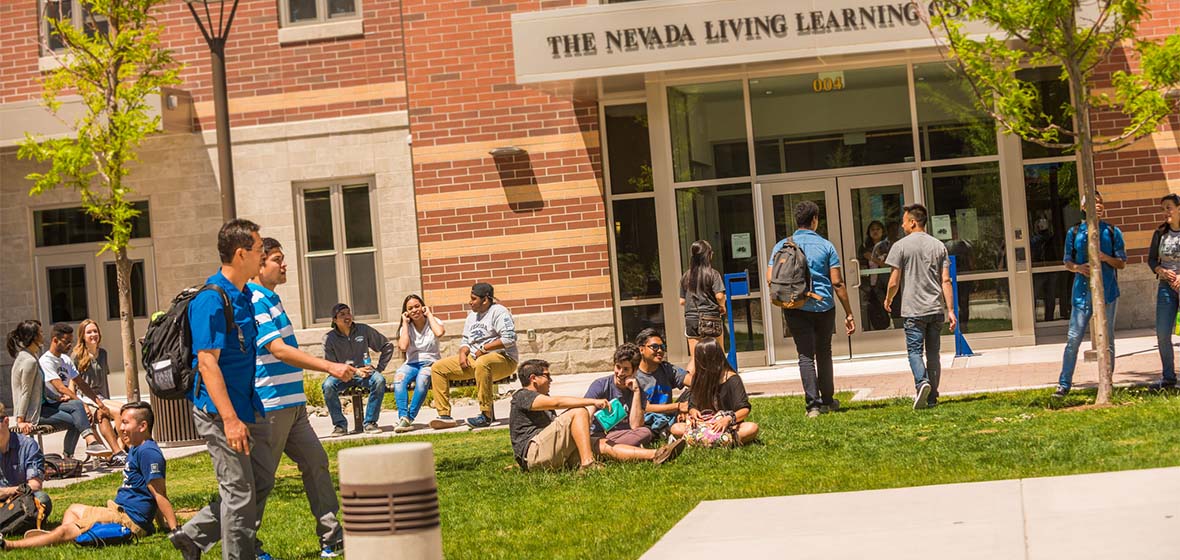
<point x="749" y="28"/>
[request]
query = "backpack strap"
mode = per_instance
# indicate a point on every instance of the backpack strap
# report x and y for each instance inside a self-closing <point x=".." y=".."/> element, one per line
<point x="231" y="328"/>
<point x="1073" y="246"/>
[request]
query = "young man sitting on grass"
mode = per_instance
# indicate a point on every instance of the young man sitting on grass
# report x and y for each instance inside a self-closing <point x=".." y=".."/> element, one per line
<point x="622" y="385"/>
<point x="545" y="441"/>
<point x="142" y="497"/>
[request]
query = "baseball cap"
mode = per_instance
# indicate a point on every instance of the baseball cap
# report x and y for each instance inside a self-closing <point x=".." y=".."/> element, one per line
<point x="483" y="290"/>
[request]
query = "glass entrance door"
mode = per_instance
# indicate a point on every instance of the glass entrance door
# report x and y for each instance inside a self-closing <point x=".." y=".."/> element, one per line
<point x="871" y="212"/>
<point x="861" y="216"/>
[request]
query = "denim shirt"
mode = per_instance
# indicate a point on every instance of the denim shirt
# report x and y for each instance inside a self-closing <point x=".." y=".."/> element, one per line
<point x="1077" y="252"/>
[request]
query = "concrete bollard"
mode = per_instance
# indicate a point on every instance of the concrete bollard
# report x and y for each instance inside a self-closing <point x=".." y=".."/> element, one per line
<point x="389" y="501"/>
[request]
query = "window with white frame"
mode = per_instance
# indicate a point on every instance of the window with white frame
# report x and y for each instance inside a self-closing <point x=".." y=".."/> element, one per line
<point x="73" y="11"/>
<point x="296" y="12"/>
<point x="339" y="261"/>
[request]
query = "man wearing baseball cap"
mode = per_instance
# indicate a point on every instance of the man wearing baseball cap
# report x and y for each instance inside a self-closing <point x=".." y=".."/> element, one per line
<point x="347" y="342"/>
<point x="487" y="354"/>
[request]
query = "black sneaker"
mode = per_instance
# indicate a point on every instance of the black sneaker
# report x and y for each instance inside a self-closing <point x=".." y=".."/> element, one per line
<point x="182" y="542"/>
<point x="481" y="421"/>
<point x="1061" y="392"/>
<point x="920" y="400"/>
<point x="830" y="407"/>
<point x="1162" y="385"/>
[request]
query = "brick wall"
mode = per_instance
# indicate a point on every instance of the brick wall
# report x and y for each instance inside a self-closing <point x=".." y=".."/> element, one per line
<point x="532" y="224"/>
<point x="267" y="82"/>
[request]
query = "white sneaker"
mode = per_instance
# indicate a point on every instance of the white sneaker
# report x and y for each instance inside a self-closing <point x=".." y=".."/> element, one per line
<point x="404" y="425"/>
<point x="923" y="393"/>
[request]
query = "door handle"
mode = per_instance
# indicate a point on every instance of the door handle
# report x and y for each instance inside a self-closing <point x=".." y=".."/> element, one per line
<point x="853" y="263"/>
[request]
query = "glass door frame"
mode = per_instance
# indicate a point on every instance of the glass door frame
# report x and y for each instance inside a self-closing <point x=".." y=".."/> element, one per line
<point x="868" y="342"/>
<point x="778" y="348"/>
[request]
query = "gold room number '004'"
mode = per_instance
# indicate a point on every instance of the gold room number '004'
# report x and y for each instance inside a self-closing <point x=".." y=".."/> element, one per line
<point x="820" y="85"/>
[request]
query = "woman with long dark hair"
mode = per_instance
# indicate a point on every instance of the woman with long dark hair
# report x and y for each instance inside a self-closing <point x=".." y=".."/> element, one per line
<point x="1164" y="259"/>
<point x="418" y="339"/>
<point x="702" y="293"/>
<point x="718" y="405"/>
<point x="873" y="251"/>
<point x="28" y="390"/>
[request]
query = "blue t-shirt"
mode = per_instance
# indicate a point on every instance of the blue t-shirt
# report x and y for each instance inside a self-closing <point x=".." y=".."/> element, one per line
<point x="207" y="320"/>
<point x="604" y="388"/>
<point x="1076" y="252"/>
<point x="278" y="384"/>
<point x="21" y="461"/>
<point x="658" y="385"/>
<point x="145" y="463"/>
<point x="821" y="259"/>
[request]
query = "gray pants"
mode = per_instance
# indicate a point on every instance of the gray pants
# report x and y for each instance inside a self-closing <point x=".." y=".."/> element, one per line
<point x="291" y="433"/>
<point x="233" y="516"/>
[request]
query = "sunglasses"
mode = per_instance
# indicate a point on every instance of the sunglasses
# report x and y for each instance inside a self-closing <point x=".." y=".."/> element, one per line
<point x="658" y="347"/>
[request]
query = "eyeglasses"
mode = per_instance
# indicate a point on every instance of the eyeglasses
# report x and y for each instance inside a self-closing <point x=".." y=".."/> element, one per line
<point x="658" y="347"/>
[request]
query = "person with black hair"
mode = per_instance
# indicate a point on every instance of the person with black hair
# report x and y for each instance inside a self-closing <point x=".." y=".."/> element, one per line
<point x="658" y="378"/>
<point x="141" y="500"/>
<point x="622" y="385"/>
<point x="418" y="338"/>
<point x="63" y="403"/>
<point x="544" y="440"/>
<point x="349" y="342"/>
<point x="719" y="407"/>
<point x="923" y="261"/>
<point x="812" y="324"/>
<point x="1164" y="259"/>
<point x="702" y="294"/>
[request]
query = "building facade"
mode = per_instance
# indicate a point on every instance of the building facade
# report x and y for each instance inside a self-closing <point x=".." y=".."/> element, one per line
<point x="569" y="153"/>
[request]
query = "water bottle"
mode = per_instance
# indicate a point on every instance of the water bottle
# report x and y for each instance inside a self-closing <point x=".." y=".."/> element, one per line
<point x="368" y="361"/>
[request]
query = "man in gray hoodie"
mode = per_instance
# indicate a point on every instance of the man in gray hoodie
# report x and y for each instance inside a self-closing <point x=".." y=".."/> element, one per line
<point x="349" y="343"/>
<point x="487" y="354"/>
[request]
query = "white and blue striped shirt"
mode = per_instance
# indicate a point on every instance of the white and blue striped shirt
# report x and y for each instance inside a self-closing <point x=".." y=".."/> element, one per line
<point x="277" y="384"/>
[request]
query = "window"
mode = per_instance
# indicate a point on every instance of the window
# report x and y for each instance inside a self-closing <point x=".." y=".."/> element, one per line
<point x="1055" y="105"/>
<point x="73" y="11"/>
<point x="339" y="257"/>
<point x="297" y="12"/>
<point x="67" y="294"/>
<point x="967" y="214"/>
<point x="708" y="123"/>
<point x="66" y="226"/>
<point x="950" y="123"/>
<point x="138" y="292"/>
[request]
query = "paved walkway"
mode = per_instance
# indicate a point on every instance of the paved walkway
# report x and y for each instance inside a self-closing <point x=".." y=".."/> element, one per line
<point x="873" y="378"/>
<point x="1128" y="514"/>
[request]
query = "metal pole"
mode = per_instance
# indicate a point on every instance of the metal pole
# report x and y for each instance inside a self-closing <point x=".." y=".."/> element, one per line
<point x="225" y="162"/>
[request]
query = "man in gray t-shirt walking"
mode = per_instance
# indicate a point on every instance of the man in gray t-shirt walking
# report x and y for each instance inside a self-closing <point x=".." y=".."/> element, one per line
<point x="922" y="259"/>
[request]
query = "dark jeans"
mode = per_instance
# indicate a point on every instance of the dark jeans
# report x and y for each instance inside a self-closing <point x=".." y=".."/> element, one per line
<point x="813" y="340"/>
<point x="919" y="332"/>
<point x="1165" y="319"/>
<point x="70" y="415"/>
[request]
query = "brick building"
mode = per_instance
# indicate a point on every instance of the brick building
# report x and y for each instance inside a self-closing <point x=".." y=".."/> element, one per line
<point x="569" y="155"/>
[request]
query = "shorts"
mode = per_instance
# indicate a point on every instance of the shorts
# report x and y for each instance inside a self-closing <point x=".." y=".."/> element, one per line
<point x="112" y="513"/>
<point x="701" y="327"/>
<point x="554" y="447"/>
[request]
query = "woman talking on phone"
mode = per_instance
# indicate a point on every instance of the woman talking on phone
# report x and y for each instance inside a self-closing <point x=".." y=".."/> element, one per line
<point x="418" y="338"/>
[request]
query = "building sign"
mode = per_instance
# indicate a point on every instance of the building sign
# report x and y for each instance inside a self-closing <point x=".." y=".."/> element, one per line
<point x="636" y="37"/>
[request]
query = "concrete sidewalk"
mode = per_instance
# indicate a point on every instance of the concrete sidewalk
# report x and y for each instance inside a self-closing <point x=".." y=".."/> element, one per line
<point x="871" y="378"/>
<point x="1128" y="514"/>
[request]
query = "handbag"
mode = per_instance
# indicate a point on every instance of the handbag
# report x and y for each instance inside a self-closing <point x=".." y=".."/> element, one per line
<point x="701" y="433"/>
<point x="709" y="325"/>
<point x="610" y="418"/>
<point x="57" y="466"/>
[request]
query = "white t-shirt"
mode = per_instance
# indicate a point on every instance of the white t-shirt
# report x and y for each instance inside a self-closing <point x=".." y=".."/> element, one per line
<point x="423" y="345"/>
<point x="60" y="368"/>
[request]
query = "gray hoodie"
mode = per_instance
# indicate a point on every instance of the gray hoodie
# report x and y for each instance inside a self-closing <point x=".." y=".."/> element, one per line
<point x="362" y="338"/>
<point x="28" y="387"/>
<point x="495" y="323"/>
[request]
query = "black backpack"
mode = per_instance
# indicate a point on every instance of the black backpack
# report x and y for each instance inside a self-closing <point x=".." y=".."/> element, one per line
<point x="21" y="512"/>
<point x="167" y="349"/>
<point x="790" y="277"/>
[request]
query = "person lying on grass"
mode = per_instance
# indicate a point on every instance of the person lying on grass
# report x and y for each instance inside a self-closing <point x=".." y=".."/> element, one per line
<point x="142" y="497"/>
<point x="718" y="405"/>
<point x="543" y="440"/>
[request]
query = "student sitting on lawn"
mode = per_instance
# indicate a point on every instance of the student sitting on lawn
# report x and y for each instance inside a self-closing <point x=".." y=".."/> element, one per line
<point x="719" y="406"/>
<point x="622" y="385"/>
<point x="543" y="440"/>
<point x="142" y="498"/>
<point x="21" y="462"/>
<point x="658" y="378"/>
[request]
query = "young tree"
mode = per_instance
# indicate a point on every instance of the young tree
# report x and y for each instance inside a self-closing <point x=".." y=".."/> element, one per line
<point x="1078" y="36"/>
<point x="113" y="63"/>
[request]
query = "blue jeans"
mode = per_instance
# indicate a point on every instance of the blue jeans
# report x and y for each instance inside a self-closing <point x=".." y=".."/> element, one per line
<point x="1165" y="320"/>
<point x="919" y="332"/>
<point x="70" y="415"/>
<point x="418" y="374"/>
<point x="1079" y="321"/>
<point x="332" y="387"/>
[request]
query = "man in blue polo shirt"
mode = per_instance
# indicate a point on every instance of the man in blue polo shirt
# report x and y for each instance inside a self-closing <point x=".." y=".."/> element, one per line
<point x="226" y="402"/>
<point x="812" y="325"/>
<point x="278" y="378"/>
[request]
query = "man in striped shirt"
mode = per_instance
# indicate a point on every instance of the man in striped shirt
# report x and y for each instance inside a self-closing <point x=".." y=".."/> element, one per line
<point x="278" y="380"/>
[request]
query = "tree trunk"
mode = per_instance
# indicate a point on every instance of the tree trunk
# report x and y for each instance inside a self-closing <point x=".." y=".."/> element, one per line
<point x="127" y="325"/>
<point x="1100" y="333"/>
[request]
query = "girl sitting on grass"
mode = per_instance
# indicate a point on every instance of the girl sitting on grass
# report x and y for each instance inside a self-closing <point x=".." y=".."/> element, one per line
<point x="718" y="405"/>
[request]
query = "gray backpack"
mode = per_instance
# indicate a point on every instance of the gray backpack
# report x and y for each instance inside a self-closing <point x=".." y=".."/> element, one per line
<point x="790" y="277"/>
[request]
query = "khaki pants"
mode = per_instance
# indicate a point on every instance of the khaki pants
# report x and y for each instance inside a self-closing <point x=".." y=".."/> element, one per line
<point x="488" y="369"/>
<point x="554" y="447"/>
<point x="112" y="513"/>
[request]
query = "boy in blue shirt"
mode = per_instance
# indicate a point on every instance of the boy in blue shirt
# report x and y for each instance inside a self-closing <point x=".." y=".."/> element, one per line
<point x="1113" y="255"/>
<point x="142" y="499"/>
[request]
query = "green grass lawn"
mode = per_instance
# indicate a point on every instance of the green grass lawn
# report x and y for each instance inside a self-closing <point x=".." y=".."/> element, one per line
<point x="491" y="510"/>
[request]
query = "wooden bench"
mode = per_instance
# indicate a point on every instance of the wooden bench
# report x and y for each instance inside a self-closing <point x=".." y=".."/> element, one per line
<point x="39" y="431"/>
